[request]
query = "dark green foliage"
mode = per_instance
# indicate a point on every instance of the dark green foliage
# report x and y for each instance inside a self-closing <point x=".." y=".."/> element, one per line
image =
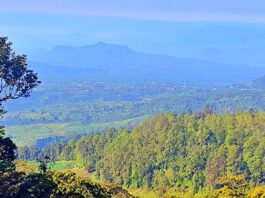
<point x="55" y="185"/>
<point x="68" y="185"/>
<point x="17" y="184"/>
<point x="43" y="167"/>
<point x="7" y="153"/>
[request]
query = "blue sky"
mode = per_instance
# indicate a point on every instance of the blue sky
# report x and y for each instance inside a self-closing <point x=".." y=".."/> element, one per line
<point x="222" y="30"/>
<point x="235" y="10"/>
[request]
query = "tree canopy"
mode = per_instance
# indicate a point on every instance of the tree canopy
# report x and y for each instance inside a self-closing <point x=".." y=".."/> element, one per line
<point x="186" y="152"/>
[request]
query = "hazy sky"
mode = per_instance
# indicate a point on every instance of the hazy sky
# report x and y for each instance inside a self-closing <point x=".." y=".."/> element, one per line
<point x="239" y="10"/>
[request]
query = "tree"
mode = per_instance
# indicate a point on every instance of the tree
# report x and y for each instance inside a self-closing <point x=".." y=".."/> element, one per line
<point x="43" y="166"/>
<point x="215" y="169"/>
<point x="7" y="153"/>
<point x="233" y="186"/>
<point x="16" y="80"/>
<point x="257" y="192"/>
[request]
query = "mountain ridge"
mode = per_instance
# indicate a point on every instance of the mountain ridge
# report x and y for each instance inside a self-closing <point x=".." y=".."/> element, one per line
<point x="111" y="62"/>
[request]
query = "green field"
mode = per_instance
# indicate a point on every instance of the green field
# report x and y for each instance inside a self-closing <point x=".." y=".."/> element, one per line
<point x="27" y="134"/>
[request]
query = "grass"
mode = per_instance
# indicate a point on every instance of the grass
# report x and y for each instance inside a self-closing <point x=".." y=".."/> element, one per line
<point x="64" y="165"/>
<point x="58" y="165"/>
<point x="24" y="135"/>
<point x="81" y="172"/>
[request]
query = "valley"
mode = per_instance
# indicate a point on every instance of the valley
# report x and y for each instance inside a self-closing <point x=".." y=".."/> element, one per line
<point x="80" y="108"/>
<point x="132" y="99"/>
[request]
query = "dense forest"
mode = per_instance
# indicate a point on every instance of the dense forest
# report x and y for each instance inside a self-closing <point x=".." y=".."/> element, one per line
<point x="195" y="153"/>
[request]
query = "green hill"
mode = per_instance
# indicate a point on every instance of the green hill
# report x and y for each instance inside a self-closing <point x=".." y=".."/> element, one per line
<point x="187" y="152"/>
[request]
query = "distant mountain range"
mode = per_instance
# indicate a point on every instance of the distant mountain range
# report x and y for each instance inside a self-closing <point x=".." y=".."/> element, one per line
<point x="118" y="63"/>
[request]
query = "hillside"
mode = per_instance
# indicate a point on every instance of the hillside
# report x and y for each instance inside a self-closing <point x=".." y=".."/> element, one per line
<point x="173" y="152"/>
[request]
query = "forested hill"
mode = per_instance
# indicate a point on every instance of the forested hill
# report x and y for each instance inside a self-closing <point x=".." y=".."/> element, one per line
<point x="186" y="153"/>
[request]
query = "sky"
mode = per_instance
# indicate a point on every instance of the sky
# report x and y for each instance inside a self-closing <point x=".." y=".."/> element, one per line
<point x="239" y="10"/>
<point x="230" y="31"/>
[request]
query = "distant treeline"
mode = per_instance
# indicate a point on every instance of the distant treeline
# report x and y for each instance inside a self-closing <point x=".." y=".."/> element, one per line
<point x="89" y="103"/>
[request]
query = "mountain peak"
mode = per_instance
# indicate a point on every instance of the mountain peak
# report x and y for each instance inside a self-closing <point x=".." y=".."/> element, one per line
<point x="101" y="44"/>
